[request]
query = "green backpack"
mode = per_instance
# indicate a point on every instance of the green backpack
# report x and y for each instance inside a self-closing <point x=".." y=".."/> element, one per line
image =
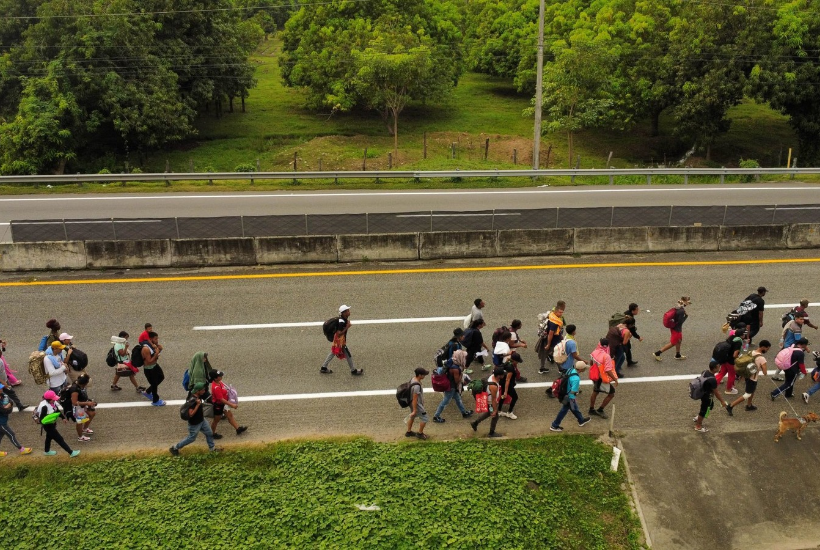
<point x="745" y="365"/>
<point x="477" y="385"/>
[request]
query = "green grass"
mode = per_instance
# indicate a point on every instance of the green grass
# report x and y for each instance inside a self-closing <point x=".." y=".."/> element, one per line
<point x="553" y="492"/>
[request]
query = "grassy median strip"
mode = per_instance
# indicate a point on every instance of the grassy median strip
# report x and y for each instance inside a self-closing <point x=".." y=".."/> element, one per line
<point x="550" y="492"/>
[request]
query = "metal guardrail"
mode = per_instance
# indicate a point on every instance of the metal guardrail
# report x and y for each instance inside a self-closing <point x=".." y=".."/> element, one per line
<point x="612" y="173"/>
<point x="121" y="229"/>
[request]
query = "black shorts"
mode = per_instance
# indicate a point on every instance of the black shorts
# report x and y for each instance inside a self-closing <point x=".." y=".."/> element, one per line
<point x="705" y="404"/>
<point x="596" y="387"/>
<point x="751" y="385"/>
<point x="219" y="409"/>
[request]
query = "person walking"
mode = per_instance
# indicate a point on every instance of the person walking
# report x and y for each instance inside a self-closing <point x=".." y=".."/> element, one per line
<point x="475" y="313"/>
<point x="792" y="332"/>
<point x="79" y="408"/>
<point x="550" y="335"/>
<point x="199" y="371"/>
<point x="515" y="343"/>
<point x="339" y="348"/>
<point x="5" y="430"/>
<point x="632" y="311"/>
<point x="196" y="421"/>
<point x="49" y="412"/>
<point x="6" y="379"/>
<point x="223" y="406"/>
<point x="751" y="381"/>
<point x="617" y="338"/>
<point x="673" y="320"/>
<point x="508" y="386"/>
<point x="417" y="410"/>
<point x="571" y="348"/>
<point x="792" y="362"/>
<point x="495" y="398"/>
<point x="454" y="375"/>
<point x="7" y="371"/>
<point x="800" y="308"/>
<point x="604" y="376"/>
<point x="123" y="367"/>
<point x="54" y="336"/>
<point x="816" y="387"/>
<point x="151" y="350"/>
<point x="724" y="354"/>
<point x="75" y="360"/>
<point x="473" y="342"/>
<point x="55" y="367"/>
<point x="707" y="402"/>
<point x="568" y="402"/>
<point x="754" y="318"/>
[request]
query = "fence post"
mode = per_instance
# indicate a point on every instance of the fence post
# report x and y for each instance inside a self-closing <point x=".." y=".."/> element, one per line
<point x="242" y="224"/>
<point x="425" y="145"/>
<point x="669" y="223"/>
<point x="515" y="157"/>
<point x="307" y="230"/>
<point x="176" y="223"/>
<point x="453" y="150"/>
<point x="486" y="148"/>
<point x="431" y="221"/>
<point x="79" y="183"/>
<point x="611" y="179"/>
<point x="389" y="161"/>
<point x="492" y="220"/>
<point x="686" y="179"/>
<point x="722" y="179"/>
<point x="649" y="179"/>
<point x="167" y="169"/>
<point x="65" y="231"/>
<point x="557" y="215"/>
<point x="725" y="210"/>
<point x="366" y="223"/>
<point x="364" y="161"/>
<point x="114" y="228"/>
<point x="612" y="217"/>
<point x="794" y="165"/>
<point x="295" y="166"/>
<point x="609" y="160"/>
<point x="774" y="212"/>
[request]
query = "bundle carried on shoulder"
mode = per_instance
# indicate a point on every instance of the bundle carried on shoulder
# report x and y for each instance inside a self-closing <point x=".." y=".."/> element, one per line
<point x="37" y="368"/>
<point x="745" y="366"/>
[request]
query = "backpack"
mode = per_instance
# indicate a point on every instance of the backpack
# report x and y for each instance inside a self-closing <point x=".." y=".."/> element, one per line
<point x="404" y="394"/>
<point x="43" y="343"/>
<point x="563" y="388"/>
<point x="783" y="360"/>
<point x="185" y="408"/>
<point x="440" y="357"/>
<point x="477" y="385"/>
<point x="497" y="334"/>
<point x="617" y="319"/>
<point x="815" y="374"/>
<point x="111" y="358"/>
<point x="669" y="318"/>
<point x="65" y="397"/>
<point x="722" y="352"/>
<point x="696" y="386"/>
<point x="559" y="352"/>
<point x="329" y="328"/>
<point x="787" y="317"/>
<point x="441" y="382"/>
<point x="136" y="356"/>
<point x="186" y="380"/>
<point x="78" y="360"/>
<point x="745" y="365"/>
<point x="37" y="368"/>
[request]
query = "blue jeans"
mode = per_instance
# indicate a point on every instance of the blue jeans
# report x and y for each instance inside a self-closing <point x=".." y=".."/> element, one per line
<point x="569" y="405"/>
<point x="620" y="358"/>
<point x="448" y="395"/>
<point x="193" y="431"/>
<point x="814" y="389"/>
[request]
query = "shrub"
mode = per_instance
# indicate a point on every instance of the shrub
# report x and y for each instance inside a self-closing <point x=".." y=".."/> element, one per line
<point x="749" y="163"/>
<point x="245" y="167"/>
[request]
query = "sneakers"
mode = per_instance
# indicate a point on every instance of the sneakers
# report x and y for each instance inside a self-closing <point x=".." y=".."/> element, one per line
<point x="556" y="428"/>
<point x="159" y="403"/>
<point x="545" y="370"/>
<point x="115" y="387"/>
<point x="631" y="363"/>
<point x="474" y="426"/>
<point x="25" y="451"/>
<point x="409" y="434"/>
<point x="504" y="414"/>
<point x="357" y="372"/>
<point x="50" y="453"/>
<point x="601" y="413"/>
<point x="83" y="438"/>
<point x="88" y="431"/>
<point x="217" y="436"/>
<point x="439" y="420"/>
<point x="241" y="429"/>
<point x="325" y="371"/>
<point x="495" y="434"/>
<point x="733" y="391"/>
<point x="751" y="408"/>
<point x="657" y="356"/>
<point x="3" y="454"/>
<point x="422" y="436"/>
<point x="778" y="378"/>
<point x="584" y="422"/>
<point x="701" y="430"/>
<point x="512" y="416"/>
<point x="522" y="380"/>
<point x="174" y="451"/>
<point x="680" y="357"/>
<point x="729" y="410"/>
<point x="806" y="398"/>
<point x="74" y="454"/>
<point x="467" y="414"/>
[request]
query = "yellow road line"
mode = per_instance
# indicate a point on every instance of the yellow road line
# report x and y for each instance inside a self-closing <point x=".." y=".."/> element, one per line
<point x="407" y="271"/>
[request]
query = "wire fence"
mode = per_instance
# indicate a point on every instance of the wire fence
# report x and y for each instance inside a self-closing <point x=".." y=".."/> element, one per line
<point x="406" y="222"/>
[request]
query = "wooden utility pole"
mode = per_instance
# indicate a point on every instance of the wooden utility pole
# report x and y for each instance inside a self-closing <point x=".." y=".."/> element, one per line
<point x="539" y="89"/>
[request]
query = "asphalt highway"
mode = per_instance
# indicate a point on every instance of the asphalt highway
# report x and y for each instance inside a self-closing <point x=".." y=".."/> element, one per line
<point x="164" y="205"/>
<point x="274" y="367"/>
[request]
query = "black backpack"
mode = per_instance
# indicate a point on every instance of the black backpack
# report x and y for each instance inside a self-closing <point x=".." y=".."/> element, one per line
<point x="404" y="394"/>
<point x="185" y="408"/>
<point x="330" y="327"/>
<point x="787" y="317"/>
<point x="563" y="388"/>
<point x="497" y="334"/>
<point x="111" y="358"/>
<point x="136" y="356"/>
<point x="64" y="399"/>
<point x="78" y="360"/>
<point x="722" y="352"/>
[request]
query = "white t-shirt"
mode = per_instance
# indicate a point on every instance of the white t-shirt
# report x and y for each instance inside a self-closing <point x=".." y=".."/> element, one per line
<point x="55" y="370"/>
<point x="502" y="349"/>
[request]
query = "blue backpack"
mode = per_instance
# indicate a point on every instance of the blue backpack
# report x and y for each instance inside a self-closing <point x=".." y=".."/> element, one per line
<point x="186" y="379"/>
<point x="43" y="343"/>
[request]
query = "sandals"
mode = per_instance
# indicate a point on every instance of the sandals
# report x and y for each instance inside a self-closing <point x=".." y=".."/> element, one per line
<point x="701" y="429"/>
<point x="83" y="438"/>
<point x="88" y="431"/>
<point x="422" y="436"/>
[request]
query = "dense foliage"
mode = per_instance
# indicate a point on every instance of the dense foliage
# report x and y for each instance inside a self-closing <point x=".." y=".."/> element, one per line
<point x="554" y="492"/>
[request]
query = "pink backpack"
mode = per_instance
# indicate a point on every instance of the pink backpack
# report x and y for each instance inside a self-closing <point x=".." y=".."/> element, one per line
<point x="783" y="360"/>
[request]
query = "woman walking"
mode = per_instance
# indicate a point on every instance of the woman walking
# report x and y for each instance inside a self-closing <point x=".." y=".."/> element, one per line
<point x="49" y="413"/>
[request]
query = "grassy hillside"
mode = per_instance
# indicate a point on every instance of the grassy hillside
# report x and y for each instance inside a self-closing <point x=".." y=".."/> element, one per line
<point x="274" y="127"/>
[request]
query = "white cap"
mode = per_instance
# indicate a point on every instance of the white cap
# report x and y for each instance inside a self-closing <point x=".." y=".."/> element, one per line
<point x="343" y="308"/>
<point x="66" y="336"/>
<point x="581" y="366"/>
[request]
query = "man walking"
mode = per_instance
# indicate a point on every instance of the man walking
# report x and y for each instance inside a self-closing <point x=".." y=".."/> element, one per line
<point x="607" y="379"/>
<point x="196" y="421"/>
<point x="792" y="362"/>
<point x="5" y="430"/>
<point x="751" y="381"/>
<point x="151" y="350"/>
<point x="454" y="376"/>
<point x="568" y="402"/>
<point x="706" y="401"/>
<point x="673" y="320"/>
<point x="339" y="348"/>
<point x="632" y="312"/>
<point x="754" y="318"/>
<point x="551" y="335"/>
<point x="417" y="408"/>
<point x="495" y="398"/>
<point x="475" y="313"/>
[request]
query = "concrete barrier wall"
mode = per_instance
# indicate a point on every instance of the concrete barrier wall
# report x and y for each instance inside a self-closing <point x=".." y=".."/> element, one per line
<point x="400" y="246"/>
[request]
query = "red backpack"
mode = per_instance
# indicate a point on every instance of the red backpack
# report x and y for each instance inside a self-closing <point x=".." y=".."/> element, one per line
<point x="669" y="318"/>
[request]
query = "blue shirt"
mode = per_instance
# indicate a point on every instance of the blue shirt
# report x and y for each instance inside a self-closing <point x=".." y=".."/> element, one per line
<point x="574" y="383"/>
<point x="572" y="347"/>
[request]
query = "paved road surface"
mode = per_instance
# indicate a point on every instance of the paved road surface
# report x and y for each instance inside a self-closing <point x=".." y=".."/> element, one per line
<point x="171" y="205"/>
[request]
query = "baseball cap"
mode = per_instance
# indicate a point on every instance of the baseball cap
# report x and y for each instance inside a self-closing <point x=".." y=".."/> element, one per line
<point x="66" y="336"/>
<point x="343" y="308"/>
<point x="50" y="396"/>
<point x="421" y="370"/>
<point x="57" y="345"/>
<point x="581" y="366"/>
<point x="516" y="357"/>
<point x="217" y="373"/>
<point x="199" y="386"/>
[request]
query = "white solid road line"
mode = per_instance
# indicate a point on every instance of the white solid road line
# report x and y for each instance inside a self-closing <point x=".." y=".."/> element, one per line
<point x="797" y="303"/>
<point x="320" y="323"/>
<point x="400" y="194"/>
<point x="375" y="393"/>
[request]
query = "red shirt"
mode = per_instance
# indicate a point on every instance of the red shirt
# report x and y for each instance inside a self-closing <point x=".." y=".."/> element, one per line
<point x="219" y="392"/>
<point x="143" y="337"/>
